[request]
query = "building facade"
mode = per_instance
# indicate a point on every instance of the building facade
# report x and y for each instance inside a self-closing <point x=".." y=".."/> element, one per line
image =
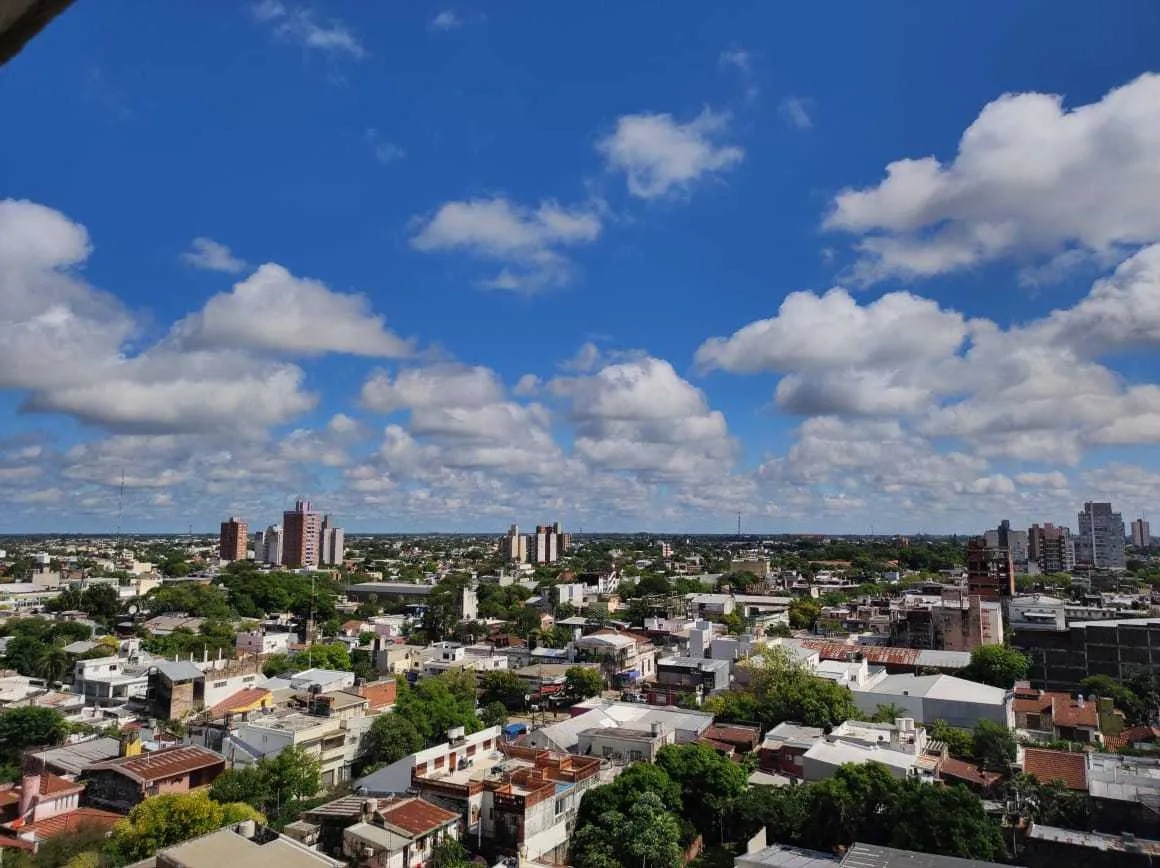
<point x="990" y="571"/>
<point x="1141" y="533"/>
<point x="302" y="530"/>
<point x="233" y="543"/>
<point x="1100" y="543"/>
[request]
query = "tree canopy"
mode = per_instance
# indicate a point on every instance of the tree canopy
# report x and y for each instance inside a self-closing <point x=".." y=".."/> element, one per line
<point x="437" y="704"/>
<point x="781" y="688"/>
<point x="162" y="821"/>
<point x="583" y="681"/>
<point x="272" y="783"/>
<point x="392" y="737"/>
<point x="866" y="803"/>
<point x="997" y="665"/>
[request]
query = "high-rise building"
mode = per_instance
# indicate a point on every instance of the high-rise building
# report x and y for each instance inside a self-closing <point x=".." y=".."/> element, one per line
<point x="268" y="545"/>
<point x="550" y="543"/>
<point x="1051" y="547"/>
<point x="513" y="546"/>
<point x="302" y="529"/>
<point x="332" y="543"/>
<point x="1015" y="541"/>
<point x="234" y="540"/>
<point x="990" y="572"/>
<point x="1100" y="542"/>
<point x="1141" y="534"/>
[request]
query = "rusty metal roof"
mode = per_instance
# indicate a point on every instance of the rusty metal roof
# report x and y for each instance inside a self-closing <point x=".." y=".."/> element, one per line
<point x="158" y="765"/>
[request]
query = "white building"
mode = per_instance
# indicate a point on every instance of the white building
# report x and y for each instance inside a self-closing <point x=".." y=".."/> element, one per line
<point x="564" y="736"/>
<point x="928" y="698"/>
<point x="261" y="642"/>
<point x="268" y="546"/>
<point x="332" y="543"/>
<point x="1100" y="541"/>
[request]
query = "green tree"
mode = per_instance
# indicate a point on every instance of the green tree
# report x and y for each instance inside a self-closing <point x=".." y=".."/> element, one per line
<point x="277" y="665"/>
<point x="290" y="774"/>
<point x="781" y="688"/>
<point x="709" y="782"/>
<point x="332" y="656"/>
<point x="887" y="713"/>
<point x="993" y="746"/>
<point x="626" y="788"/>
<point x="1122" y="696"/>
<point x="437" y="704"/>
<point x="239" y="784"/>
<point x="503" y="685"/>
<point x="29" y="726"/>
<point x="583" y="681"/>
<point x="271" y="784"/>
<point x="449" y="853"/>
<point x="53" y="664"/>
<point x="960" y="742"/>
<point x="645" y="835"/>
<point x="997" y="665"/>
<point x="392" y="737"/>
<point x="866" y="803"/>
<point x="804" y="613"/>
<point x="162" y="821"/>
<point x="494" y="714"/>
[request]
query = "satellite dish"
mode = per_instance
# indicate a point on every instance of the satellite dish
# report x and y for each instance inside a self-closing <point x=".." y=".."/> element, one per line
<point x="132" y="610"/>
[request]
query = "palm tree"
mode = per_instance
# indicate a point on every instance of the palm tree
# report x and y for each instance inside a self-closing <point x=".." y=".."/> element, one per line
<point x="53" y="663"/>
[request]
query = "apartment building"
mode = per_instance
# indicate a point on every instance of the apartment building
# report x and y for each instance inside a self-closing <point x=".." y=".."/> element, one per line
<point x="328" y="726"/>
<point x="234" y="540"/>
<point x="1100" y="541"/>
<point x="301" y="536"/>
<point x="521" y="801"/>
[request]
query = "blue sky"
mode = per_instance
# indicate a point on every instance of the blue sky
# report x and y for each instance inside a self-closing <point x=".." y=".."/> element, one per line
<point x="630" y="266"/>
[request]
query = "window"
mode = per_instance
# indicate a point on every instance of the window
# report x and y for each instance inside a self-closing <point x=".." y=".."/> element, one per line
<point x="560" y="806"/>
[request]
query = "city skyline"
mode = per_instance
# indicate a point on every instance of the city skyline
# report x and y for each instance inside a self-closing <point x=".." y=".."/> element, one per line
<point x="459" y="276"/>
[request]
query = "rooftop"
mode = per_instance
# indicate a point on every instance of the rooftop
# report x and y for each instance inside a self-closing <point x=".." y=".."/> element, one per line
<point x="938" y="687"/>
<point x="873" y="856"/>
<point x="782" y="856"/>
<point x="242" y="700"/>
<point x="230" y="847"/>
<point x="1056" y="765"/>
<point x="416" y="817"/>
<point x="168" y="763"/>
<point x="1095" y="840"/>
<point x="74" y="758"/>
<point x="72" y="822"/>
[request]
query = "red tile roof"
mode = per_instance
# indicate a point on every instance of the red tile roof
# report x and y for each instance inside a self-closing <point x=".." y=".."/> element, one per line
<point x="158" y="765"/>
<point x="55" y="785"/>
<point x="72" y="822"/>
<point x="379" y="694"/>
<point x="1132" y="735"/>
<point x="244" y="698"/>
<point x="16" y="843"/>
<point x="1065" y="710"/>
<point x="969" y="772"/>
<point x="1056" y="765"/>
<point x="417" y="817"/>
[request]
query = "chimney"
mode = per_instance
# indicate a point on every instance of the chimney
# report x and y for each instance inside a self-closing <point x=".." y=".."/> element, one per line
<point x="29" y="787"/>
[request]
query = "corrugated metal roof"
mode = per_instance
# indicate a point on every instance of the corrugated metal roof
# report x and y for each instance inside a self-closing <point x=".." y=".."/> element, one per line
<point x="873" y="856"/>
<point x="168" y="763"/>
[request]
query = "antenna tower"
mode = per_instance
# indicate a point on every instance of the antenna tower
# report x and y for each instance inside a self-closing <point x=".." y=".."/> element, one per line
<point x="739" y="525"/>
<point x="121" y="510"/>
